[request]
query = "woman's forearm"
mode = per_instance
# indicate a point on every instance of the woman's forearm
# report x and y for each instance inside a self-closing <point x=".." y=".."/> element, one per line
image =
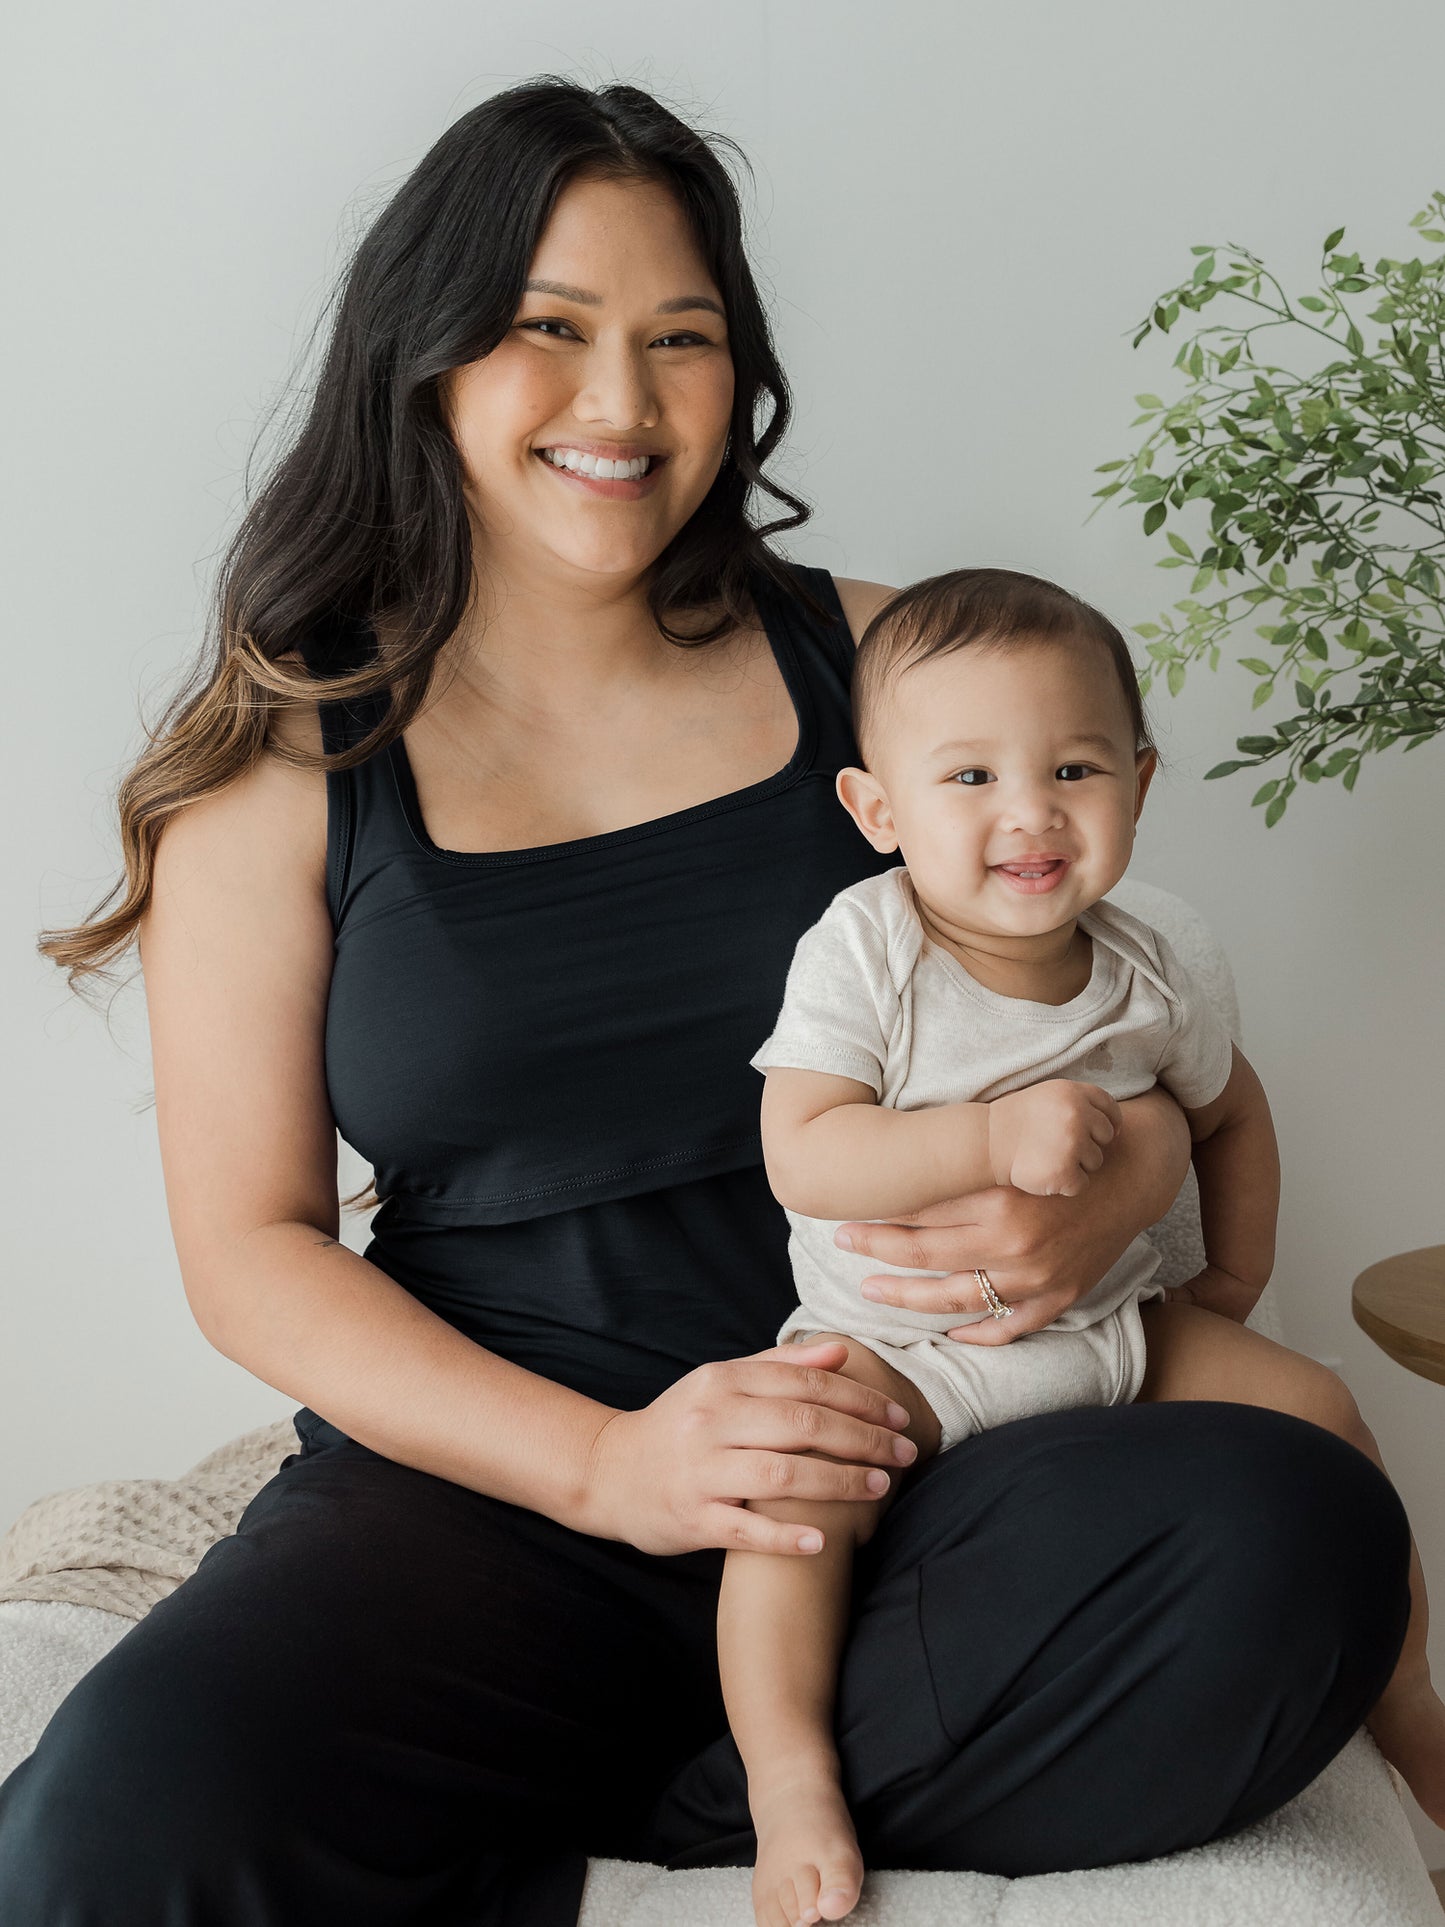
<point x="332" y="1331"/>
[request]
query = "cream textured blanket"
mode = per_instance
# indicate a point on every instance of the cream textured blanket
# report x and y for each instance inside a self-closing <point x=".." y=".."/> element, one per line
<point x="125" y="1543"/>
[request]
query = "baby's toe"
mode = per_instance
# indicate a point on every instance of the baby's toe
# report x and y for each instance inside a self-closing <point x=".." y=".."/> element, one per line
<point x="839" y="1896"/>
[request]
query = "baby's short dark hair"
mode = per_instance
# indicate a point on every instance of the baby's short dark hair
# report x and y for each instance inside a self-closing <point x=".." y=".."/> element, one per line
<point x="995" y="608"/>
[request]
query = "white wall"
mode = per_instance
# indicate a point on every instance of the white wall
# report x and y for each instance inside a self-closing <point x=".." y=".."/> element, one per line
<point x="959" y="213"/>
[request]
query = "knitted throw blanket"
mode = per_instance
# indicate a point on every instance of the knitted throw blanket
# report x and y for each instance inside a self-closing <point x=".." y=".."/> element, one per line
<point x="123" y="1544"/>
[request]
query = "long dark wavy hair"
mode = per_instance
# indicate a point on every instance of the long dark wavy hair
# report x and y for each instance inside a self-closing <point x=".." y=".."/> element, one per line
<point x="362" y="527"/>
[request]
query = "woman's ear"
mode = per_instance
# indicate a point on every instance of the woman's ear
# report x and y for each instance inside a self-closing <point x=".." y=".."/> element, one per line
<point x="866" y="801"/>
<point x="1145" y="764"/>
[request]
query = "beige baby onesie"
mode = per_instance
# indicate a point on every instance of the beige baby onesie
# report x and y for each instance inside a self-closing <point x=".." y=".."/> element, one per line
<point x="870" y="996"/>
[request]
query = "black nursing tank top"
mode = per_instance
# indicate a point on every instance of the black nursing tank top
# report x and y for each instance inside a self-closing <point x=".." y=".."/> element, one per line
<point x="544" y="1053"/>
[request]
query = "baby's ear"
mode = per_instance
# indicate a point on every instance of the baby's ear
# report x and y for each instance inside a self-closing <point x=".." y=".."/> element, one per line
<point x="1146" y="761"/>
<point x="866" y="801"/>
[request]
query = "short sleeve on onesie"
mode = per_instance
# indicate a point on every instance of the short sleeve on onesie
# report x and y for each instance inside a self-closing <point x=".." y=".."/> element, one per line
<point x="1199" y="1054"/>
<point x="840" y="1004"/>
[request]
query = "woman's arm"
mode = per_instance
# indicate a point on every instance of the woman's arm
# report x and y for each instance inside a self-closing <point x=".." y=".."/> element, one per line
<point x="237" y="952"/>
<point x="1236" y="1160"/>
<point x="1042" y="1254"/>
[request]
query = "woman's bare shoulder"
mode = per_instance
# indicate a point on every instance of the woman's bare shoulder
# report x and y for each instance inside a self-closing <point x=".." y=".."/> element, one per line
<point x="861" y="601"/>
<point x="265" y="830"/>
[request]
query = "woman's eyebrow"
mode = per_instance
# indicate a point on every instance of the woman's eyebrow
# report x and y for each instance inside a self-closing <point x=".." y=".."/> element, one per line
<point x="678" y="305"/>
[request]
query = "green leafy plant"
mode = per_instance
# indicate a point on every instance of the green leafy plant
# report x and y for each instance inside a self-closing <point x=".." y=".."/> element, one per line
<point x="1324" y="498"/>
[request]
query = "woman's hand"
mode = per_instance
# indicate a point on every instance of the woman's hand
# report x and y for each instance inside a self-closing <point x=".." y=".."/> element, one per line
<point x="1041" y="1254"/>
<point x="673" y="1477"/>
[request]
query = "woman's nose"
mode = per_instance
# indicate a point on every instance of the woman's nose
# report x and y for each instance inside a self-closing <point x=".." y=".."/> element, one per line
<point x="617" y="390"/>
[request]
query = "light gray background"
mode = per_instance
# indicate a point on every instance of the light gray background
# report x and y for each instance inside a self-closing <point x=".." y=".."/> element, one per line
<point x="959" y="212"/>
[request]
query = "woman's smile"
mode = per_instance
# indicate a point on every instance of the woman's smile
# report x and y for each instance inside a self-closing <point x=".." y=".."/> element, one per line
<point x="623" y="475"/>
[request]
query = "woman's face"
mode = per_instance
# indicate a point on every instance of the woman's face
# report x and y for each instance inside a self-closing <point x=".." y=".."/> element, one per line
<point x="619" y="349"/>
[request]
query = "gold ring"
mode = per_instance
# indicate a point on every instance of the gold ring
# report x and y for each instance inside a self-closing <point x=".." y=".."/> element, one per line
<point x="990" y="1297"/>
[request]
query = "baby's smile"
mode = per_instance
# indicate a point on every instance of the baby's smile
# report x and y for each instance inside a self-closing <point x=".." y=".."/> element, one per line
<point x="1032" y="876"/>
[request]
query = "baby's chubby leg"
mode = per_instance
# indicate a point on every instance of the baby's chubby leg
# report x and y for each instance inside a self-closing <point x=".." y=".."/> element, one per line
<point x="781" y="1624"/>
<point x="1197" y="1354"/>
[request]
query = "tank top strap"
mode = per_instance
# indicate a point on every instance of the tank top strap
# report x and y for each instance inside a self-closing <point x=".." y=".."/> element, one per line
<point x="823" y="648"/>
<point x="363" y="811"/>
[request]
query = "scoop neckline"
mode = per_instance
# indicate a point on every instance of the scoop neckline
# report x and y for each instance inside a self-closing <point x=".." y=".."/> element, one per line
<point x="784" y="655"/>
<point x="1095" y="992"/>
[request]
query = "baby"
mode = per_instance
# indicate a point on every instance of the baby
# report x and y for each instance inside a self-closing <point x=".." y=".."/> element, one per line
<point x="969" y="1018"/>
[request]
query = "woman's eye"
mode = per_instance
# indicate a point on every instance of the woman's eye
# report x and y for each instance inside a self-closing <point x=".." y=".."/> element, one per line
<point x="973" y="778"/>
<point x="686" y="339"/>
<point x="1073" y="772"/>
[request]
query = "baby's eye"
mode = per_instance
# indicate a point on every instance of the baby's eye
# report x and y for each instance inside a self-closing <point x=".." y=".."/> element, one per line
<point x="1073" y="772"/>
<point x="972" y="778"/>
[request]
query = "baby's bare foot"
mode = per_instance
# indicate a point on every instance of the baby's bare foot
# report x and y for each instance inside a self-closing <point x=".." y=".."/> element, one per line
<point x="1409" y="1729"/>
<point x="808" y="1866"/>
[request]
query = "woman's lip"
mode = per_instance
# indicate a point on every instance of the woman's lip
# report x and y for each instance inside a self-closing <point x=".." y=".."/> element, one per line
<point x="622" y="490"/>
<point x="1054" y="868"/>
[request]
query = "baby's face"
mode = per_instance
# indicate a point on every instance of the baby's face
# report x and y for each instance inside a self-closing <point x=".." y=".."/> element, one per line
<point x="1008" y="780"/>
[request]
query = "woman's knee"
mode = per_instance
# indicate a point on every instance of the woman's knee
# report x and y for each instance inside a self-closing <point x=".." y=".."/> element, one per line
<point x="1295" y="1535"/>
<point x="1105" y="1580"/>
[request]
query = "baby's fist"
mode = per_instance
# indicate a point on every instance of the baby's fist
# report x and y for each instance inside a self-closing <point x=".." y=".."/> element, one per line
<point x="1048" y="1139"/>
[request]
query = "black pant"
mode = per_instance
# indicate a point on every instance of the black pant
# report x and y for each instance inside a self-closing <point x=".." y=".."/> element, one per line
<point x="1081" y="1638"/>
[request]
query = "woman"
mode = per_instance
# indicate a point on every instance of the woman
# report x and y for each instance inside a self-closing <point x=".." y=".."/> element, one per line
<point x="518" y="936"/>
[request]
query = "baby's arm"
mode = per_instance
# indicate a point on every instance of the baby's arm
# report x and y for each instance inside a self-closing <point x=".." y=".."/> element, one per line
<point x="1237" y="1162"/>
<point x="833" y="1151"/>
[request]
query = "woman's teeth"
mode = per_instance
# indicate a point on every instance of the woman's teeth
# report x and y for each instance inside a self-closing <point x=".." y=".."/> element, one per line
<point x="597" y="465"/>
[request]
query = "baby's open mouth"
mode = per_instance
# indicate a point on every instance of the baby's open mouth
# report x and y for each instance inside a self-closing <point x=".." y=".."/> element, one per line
<point x="1033" y="875"/>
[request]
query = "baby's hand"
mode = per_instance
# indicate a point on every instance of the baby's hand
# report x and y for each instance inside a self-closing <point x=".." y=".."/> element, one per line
<point x="1047" y="1139"/>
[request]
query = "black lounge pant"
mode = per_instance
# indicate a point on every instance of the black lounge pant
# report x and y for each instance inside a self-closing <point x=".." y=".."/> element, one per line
<point x="1081" y="1638"/>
